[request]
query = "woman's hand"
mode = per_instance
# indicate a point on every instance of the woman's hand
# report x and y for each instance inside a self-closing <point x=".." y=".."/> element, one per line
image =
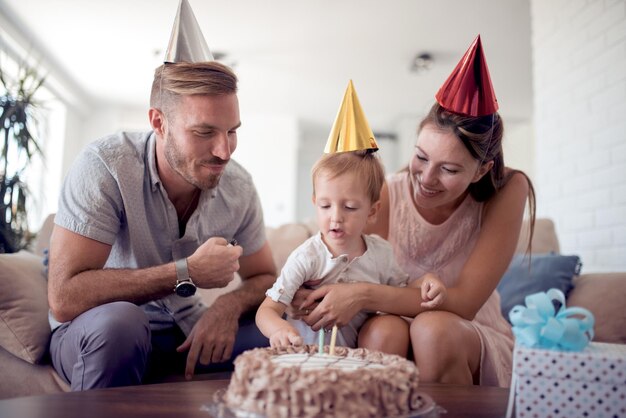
<point x="296" y="309"/>
<point x="339" y="304"/>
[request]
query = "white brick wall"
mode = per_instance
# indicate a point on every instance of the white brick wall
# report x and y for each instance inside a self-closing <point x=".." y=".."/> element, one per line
<point x="579" y="80"/>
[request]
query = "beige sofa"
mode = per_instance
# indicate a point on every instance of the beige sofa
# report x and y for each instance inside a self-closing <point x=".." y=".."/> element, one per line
<point x="24" y="330"/>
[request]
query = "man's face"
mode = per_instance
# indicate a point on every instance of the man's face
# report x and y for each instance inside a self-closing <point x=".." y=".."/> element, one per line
<point x="200" y="136"/>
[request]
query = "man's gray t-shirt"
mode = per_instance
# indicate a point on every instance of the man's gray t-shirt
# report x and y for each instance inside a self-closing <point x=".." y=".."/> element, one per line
<point x="113" y="194"/>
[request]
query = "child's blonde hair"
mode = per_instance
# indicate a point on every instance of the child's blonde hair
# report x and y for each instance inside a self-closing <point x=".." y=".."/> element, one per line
<point x="365" y="164"/>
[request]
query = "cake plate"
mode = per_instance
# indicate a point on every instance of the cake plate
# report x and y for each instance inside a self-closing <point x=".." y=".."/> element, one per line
<point x="219" y="409"/>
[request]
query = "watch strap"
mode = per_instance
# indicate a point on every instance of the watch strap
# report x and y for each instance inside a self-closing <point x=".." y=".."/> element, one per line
<point x="182" y="271"/>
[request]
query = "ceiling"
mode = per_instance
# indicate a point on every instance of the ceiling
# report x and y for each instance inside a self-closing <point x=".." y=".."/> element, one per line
<point x="292" y="57"/>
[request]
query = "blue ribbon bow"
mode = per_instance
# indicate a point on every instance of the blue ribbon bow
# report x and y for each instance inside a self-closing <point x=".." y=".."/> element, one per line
<point x="537" y="325"/>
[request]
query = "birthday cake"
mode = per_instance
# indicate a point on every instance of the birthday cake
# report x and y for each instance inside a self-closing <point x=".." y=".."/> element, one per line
<point x="299" y="382"/>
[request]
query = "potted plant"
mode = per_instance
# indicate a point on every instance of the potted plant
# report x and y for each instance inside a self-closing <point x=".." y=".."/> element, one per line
<point x="18" y="144"/>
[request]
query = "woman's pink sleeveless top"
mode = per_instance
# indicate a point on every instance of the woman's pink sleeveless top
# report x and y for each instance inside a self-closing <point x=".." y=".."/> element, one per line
<point x="421" y="247"/>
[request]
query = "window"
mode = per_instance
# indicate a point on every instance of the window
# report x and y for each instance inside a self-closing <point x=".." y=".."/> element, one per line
<point x="41" y="175"/>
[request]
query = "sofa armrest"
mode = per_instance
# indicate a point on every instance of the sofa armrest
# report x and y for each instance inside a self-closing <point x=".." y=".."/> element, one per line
<point x="20" y="378"/>
<point x="603" y="294"/>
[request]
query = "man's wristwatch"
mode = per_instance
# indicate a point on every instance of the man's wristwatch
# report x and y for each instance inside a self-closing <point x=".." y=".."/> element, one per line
<point x="184" y="286"/>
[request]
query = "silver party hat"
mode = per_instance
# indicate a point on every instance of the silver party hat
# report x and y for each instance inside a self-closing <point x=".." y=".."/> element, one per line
<point x="187" y="43"/>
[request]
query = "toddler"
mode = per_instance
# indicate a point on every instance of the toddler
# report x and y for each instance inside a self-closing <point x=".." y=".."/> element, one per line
<point x="346" y="191"/>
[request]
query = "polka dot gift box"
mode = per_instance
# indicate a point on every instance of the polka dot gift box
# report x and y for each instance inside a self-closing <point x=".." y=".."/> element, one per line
<point x="557" y="372"/>
<point x="590" y="383"/>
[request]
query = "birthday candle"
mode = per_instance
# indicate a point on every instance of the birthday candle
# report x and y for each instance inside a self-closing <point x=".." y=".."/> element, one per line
<point x="321" y="341"/>
<point x="333" y="339"/>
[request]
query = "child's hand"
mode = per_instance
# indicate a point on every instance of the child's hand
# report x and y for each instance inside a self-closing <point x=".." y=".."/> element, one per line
<point x="433" y="291"/>
<point x="284" y="337"/>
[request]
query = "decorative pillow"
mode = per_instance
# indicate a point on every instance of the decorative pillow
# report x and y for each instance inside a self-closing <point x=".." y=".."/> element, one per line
<point x="546" y="271"/>
<point x="24" y="328"/>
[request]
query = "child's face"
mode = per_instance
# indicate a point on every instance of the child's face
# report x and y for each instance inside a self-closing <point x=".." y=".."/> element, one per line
<point x="343" y="209"/>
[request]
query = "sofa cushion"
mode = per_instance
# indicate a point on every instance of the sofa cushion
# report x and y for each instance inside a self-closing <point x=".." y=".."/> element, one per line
<point x="544" y="237"/>
<point x="24" y="328"/>
<point x="603" y="294"/>
<point x="284" y="239"/>
<point x="546" y="271"/>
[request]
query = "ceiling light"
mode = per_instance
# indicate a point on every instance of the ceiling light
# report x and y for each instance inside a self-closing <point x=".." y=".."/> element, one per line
<point x="422" y="62"/>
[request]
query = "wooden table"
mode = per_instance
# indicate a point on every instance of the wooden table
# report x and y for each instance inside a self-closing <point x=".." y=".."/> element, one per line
<point x="186" y="399"/>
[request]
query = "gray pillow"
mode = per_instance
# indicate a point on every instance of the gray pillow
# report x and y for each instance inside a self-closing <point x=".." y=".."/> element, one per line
<point x="546" y="271"/>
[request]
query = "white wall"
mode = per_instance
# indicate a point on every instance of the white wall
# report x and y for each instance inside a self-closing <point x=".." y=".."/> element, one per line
<point x="518" y="146"/>
<point x="313" y="139"/>
<point x="579" y="69"/>
<point x="268" y="149"/>
<point x="106" y="119"/>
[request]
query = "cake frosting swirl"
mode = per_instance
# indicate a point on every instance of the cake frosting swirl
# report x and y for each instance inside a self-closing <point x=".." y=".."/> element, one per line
<point x="298" y="382"/>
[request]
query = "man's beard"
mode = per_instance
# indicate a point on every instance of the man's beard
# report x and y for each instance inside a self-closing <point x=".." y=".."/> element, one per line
<point x="176" y="160"/>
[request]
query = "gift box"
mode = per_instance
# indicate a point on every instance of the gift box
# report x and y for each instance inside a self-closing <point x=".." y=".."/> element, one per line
<point x="553" y="383"/>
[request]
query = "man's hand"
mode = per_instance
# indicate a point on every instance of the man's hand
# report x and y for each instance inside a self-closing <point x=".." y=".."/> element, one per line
<point x="214" y="263"/>
<point x="212" y="338"/>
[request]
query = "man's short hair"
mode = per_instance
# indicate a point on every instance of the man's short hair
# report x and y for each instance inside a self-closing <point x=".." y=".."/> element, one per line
<point x="184" y="78"/>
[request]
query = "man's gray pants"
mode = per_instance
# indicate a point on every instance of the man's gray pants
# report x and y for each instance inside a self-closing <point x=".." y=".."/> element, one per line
<point x="112" y="345"/>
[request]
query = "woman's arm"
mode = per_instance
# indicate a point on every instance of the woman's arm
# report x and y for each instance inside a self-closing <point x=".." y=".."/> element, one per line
<point x="499" y="233"/>
<point x="485" y="266"/>
<point x="339" y="303"/>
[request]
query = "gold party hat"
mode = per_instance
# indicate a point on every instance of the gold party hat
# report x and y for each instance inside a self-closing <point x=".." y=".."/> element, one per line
<point x="186" y="41"/>
<point x="350" y="132"/>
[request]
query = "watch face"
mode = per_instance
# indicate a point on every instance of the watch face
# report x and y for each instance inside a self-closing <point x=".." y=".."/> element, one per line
<point x="185" y="289"/>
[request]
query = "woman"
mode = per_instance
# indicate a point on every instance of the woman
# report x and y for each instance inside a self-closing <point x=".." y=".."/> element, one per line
<point x="456" y="213"/>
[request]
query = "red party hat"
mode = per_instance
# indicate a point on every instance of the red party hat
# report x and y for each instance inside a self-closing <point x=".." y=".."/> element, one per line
<point x="468" y="90"/>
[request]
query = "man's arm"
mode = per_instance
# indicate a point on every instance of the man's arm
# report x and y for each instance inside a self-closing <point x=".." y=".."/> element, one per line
<point x="258" y="273"/>
<point x="77" y="281"/>
<point x="212" y="338"/>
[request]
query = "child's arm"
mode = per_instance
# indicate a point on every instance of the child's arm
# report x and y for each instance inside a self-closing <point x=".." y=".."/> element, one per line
<point x="273" y="326"/>
<point x="433" y="290"/>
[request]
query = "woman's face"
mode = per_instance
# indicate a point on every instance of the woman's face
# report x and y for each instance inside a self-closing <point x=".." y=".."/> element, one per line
<point x="442" y="169"/>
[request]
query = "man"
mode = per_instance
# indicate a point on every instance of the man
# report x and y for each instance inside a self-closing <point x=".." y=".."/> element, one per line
<point x="145" y="218"/>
